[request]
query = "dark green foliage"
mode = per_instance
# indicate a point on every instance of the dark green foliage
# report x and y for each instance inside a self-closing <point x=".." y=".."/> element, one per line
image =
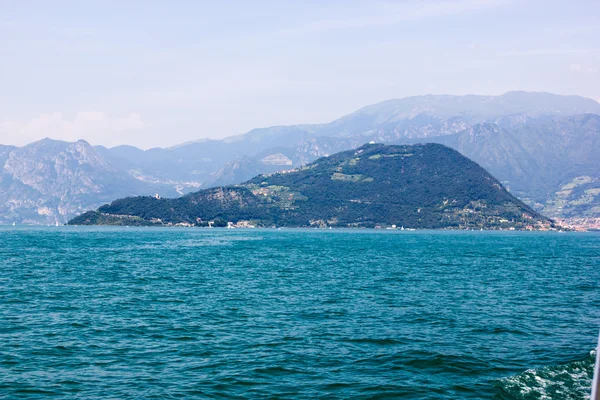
<point x="220" y="223"/>
<point x="97" y="218"/>
<point x="421" y="186"/>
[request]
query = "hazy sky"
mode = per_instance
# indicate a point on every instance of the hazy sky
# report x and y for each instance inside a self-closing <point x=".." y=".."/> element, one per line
<point x="158" y="73"/>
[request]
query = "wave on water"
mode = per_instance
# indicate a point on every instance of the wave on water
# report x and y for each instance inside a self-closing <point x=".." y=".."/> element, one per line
<point x="564" y="382"/>
<point x="201" y="241"/>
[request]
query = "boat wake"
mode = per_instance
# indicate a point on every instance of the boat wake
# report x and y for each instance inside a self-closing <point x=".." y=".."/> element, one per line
<point x="565" y="382"/>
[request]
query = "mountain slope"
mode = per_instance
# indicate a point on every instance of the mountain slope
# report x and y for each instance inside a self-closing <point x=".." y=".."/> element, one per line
<point x="537" y="160"/>
<point x="390" y="121"/>
<point x="243" y="169"/>
<point x="433" y="115"/>
<point x="542" y="163"/>
<point x="421" y="186"/>
<point x="50" y="181"/>
<point x="542" y="147"/>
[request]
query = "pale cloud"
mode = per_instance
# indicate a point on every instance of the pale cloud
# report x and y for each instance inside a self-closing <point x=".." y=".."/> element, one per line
<point x="575" y="67"/>
<point x="392" y="13"/>
<point x="578" y="68"/>
<point x="94" y="126"/>
<point x="552" y="52"/>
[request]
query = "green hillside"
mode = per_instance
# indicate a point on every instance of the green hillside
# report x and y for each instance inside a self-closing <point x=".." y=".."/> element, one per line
<point x="420" y="186"/>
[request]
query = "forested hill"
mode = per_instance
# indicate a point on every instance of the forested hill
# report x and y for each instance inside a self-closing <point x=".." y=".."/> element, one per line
<point x="420" y="186"/>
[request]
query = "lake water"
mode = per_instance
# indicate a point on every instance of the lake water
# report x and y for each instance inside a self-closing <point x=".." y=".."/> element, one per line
<point x="184" y="313"/>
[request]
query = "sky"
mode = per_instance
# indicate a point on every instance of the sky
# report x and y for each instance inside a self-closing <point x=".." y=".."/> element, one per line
<point x="160" y="73"/>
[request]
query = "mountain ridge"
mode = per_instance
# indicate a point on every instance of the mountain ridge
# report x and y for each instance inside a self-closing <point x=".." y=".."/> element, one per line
<point x="522" y="153"/>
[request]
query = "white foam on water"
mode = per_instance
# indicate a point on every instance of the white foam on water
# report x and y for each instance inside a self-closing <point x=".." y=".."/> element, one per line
<point x="565" y="382"/>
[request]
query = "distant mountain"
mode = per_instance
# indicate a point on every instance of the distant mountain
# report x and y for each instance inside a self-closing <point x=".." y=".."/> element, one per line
<point x="541" y="146"/>
<point x="391" y="121"/>
<point x="451" y="114"/>
<point x="553" y="165"/>
<point x="541" y="152"/>
<point x="422" y="186"/>
<point x="243" y="169"/>
<point x="50" y="181"/>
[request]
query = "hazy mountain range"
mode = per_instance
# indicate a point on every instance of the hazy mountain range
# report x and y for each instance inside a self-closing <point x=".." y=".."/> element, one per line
<point x="544" y="148"/>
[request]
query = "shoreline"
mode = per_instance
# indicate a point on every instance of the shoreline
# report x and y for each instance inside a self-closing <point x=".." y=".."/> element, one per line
<point x="299" y="228"/>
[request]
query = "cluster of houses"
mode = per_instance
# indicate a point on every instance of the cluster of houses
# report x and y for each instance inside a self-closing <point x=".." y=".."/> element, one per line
<point x="212" y="224"/>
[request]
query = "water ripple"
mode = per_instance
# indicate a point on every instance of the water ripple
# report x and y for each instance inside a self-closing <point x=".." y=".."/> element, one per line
<point x="174" y="313"/>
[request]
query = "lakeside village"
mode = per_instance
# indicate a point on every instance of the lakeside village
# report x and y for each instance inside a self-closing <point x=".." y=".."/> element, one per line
<point x="320" y="224"/>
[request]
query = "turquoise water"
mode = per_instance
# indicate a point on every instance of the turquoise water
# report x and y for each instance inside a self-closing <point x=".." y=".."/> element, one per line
<point x="184" y="313"/>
